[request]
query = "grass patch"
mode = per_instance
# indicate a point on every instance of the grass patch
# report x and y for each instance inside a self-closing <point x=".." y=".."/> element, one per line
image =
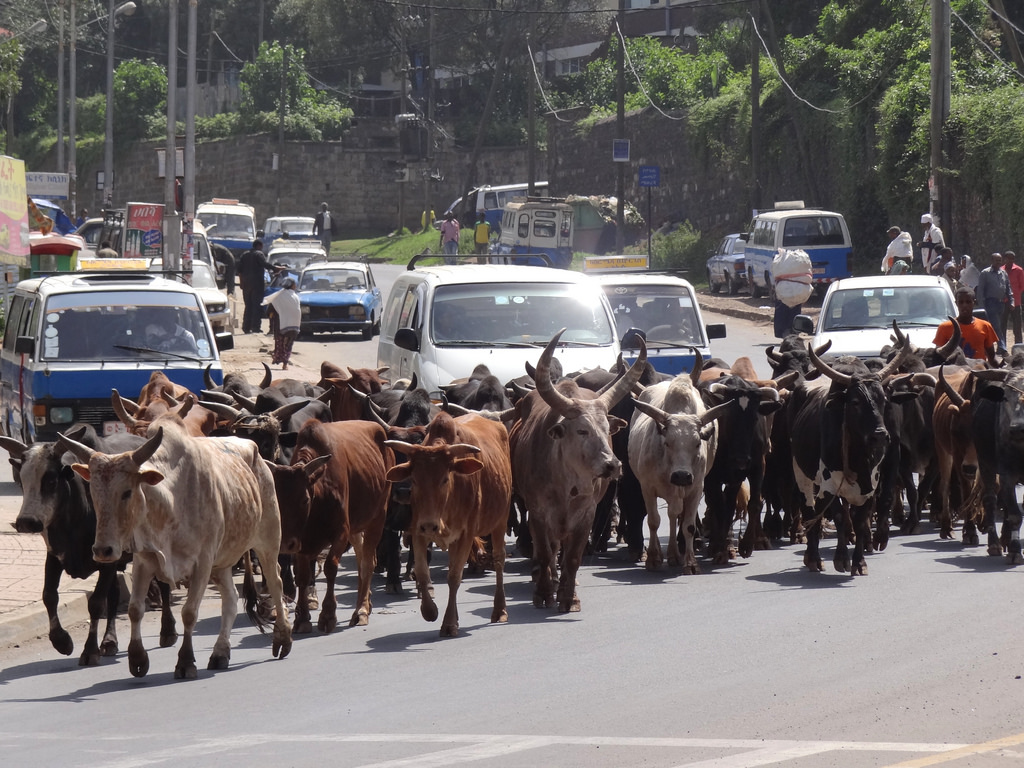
<point x="391" y="249"/>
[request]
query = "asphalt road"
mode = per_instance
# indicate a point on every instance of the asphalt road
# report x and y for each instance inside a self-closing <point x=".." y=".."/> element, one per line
<point x="758" y="662"/>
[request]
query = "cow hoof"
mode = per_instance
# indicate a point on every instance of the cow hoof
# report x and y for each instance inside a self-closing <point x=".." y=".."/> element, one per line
<point x="841" y="566"/>
<point x="88" y="659"/>
<point x="970" y="539"/>
<point x="281" y="647"/>
<point x="168" y="639"/>
<point x="186" y="672"/>
<point x="62" y="642"/>
<point x="1015" y="558"/>
<point x="653" y="564"/>
<point x="393" y="589"/>
<point x="450" y="630"/>
<point x="995" y="550"/>
<point x="327" y="624"/>
<point x="428" y="610"/>
<point x="359" y="619"/>
<point x="946" y="533"/>
<point x="218" y="661"/>
<point x="302" y="627"/>
<point x="813" y="565"/>
<point x="138" y="659"/>
<point x="861" y="569"/>
<point x="108" y="648"/>
<point x="499" y="617"/>
<point x="691" y="570"/>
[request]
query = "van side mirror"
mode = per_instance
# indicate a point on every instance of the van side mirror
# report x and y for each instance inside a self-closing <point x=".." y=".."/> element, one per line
<point x="631" y="338"/>
<point x="715" y="330"/>
<point x="803" y="324"/>
<point x="25" y="345"/>
<point x="224" y="341"/>
<point x="745" y="236"/>
<point x="407" y="338"/>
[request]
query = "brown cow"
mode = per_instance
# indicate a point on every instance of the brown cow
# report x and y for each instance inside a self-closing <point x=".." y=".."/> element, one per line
<point x="198" y="420"/>
<point x="954" y="448"/>
<point x="344" y="504"/>
<point x="158" y="384"/>
<point x="344" y="404"/>
<point x="461" y="488"/>
<point x="562" y="462"/>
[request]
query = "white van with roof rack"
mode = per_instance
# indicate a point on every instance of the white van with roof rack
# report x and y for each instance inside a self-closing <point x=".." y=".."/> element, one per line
<point x="440" y="322"/>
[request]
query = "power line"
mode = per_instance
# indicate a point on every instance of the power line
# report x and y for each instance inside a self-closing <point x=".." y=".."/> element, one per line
<point x="536" y="76"/>
<point x="986" y="46"/>
<point x="625" y="51"/>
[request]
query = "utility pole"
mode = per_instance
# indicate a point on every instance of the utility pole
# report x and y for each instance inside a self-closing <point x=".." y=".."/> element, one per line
<point x="61" y="168"/>
<point x="72" y="109"/>
<point x="172" y="224"/>
<point x="620" y="130"/>
<point x="190" y="112"/>
<point x="282" y="107"/>
<point x="755" y="108"/>
<point x="938" y="198"/>
<point x="531" y="115"/>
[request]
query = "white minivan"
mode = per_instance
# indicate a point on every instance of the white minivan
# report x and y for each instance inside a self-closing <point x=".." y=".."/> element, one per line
<point x="441" y="322"/>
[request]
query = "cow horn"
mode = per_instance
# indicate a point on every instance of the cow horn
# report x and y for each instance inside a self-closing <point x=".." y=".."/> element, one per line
<point x="923" y="379"/>
<point x="403" y="447"/>
<point x="648" y="409"/>
<point x="14" y="447"/>
<point x="894" y="365"/>
<point x="267" y="377"/>
<point x="455" y="409"/>
<point x="246" y="402"/>
<point x="714" y="413"/>
<point x="951" y="346"/>
<point x="414" y="382"/>
<point x="518" y="389"/>
<point x="222" y="409"/>
<point x="82" y="452"/>
<point x="698" y="366"/>
<point x="186" y="405"/>
<point x="560" y="404"/>
<point x="208" y="377"/>
<point x="118" y="403"/>
<point x="901" y="337"/>
<point x="462" y="449"/>
<point x="168" y="398"/>
<point x="768" y="393"/>
<point x="786" y="380"/>
<point x="991" y="374"/>
<point x="325" y="396"/>
<point x="287" y="410"/>
<point x="824" y="348"/>
<point x="954" y="397"/>
<point x="826" y="369"/>
<point x="375" y="415"/>
<point x="623" y="386"/>
<point x="75" y="433"/>
<point x="214" y="396"/>
<point x="774" y="356"/>
<point x="358" y="393"/>
<point x="145" y="451"/>
<point x="310" y="467"/>
<point x="382" y="370"/>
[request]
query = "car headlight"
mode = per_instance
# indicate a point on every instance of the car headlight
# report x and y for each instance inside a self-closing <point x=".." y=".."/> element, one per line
<point x="305" y="310"/>
<point x="358" y="312"/>
<point x="215" y="308"/>
<point x="62" y="415"/>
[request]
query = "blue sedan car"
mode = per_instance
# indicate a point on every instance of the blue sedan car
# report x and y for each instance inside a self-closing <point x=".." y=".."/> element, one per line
<point x="340" y="296"/>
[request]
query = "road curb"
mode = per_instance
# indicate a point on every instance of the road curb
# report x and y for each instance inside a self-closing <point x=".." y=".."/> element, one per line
<point x="29" y="622"/>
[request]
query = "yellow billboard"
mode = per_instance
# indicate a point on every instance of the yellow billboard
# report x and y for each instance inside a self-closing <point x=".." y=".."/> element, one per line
<point x="14" y="247"/>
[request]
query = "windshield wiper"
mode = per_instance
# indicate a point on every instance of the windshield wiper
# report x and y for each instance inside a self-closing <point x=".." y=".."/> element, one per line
<point x="853" y="328"/>
<point x="579" y="344"/>
<point x="157" y="352"/>
<point x="478" y="343"/>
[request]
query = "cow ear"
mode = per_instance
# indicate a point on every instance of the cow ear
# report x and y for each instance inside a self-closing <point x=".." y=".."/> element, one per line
<point x="769" y="406"/>
<point x="82" y="470"/>
<point x="708" y="432"/>
<point x="557" y="432"/>
<point x="467" y="465"/>
<point x="400" y="472"/>
<point x="615" y="424"/>
<point x="150" y="476"/>
<point x="993" y="392"/>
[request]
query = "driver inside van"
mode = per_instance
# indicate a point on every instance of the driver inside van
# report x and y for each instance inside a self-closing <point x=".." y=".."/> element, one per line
<point x="164" y="336"/>
<point x="448" y="322"/>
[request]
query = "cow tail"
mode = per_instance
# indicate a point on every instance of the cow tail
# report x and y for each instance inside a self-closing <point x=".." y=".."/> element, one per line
<point x="256" y="608"/>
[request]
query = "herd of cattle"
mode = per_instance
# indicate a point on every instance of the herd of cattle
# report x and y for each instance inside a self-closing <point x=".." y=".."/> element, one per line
<point x="288" y="470"/>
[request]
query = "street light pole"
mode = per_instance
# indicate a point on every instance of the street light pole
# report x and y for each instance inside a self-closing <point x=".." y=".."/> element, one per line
<point x="60" y="88"/>
<point x="72" y="110"/>
<point x="108" y="141"/>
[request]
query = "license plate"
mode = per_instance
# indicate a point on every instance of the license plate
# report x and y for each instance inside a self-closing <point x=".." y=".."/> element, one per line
<point x="114" y="428"/>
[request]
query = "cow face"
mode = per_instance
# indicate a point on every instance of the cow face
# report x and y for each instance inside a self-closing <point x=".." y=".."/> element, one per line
<point x="293" y="486"/>
<point x="43" y="479"/>
<point x="433" y="473"/>
<point x="585" y="440"/>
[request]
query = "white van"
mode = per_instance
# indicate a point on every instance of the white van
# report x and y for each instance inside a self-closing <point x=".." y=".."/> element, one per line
<point x="823" y="235"/>
<point x="440" y="322"/>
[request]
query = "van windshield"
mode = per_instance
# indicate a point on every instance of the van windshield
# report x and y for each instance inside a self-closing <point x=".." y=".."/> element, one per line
<point x="236" y="225"/>
<point x="664" y="313"/>
<point x="877" y="308"/>
<point x="518" y="313"/>
<point x="124" y="325"/>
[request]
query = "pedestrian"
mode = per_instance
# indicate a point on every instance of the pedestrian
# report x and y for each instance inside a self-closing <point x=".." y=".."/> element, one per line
<point x="481" y="236"/>
<point x="938" y="267"/>
<point x="252" y="269"/>
<point x="931" y="243"/>
<point x="325" y="227"/>
<point x="978" y="337"/>
<point x="993" y="295"/>
<point x="1015" y="273"/>
<point x="899" y="255"/>
<point x="288" y="309"/>
<point x="450" y="237"/>
<point x="950" y="276"/>
<point x="223" y="256"/>
<point x="82" y="216"/>
<point x="968" y="273"/>
<point x="106" y="251"/>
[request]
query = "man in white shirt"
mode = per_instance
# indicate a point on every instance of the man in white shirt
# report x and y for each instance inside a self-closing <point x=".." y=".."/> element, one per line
<point x="932" y="243"/>
<point x="899" y="255"/>
<point x="324" y="227"/>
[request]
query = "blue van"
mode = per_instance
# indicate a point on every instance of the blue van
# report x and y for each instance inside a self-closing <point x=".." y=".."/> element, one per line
<point x="71" y="338"/>
<point x="492" y="201"/>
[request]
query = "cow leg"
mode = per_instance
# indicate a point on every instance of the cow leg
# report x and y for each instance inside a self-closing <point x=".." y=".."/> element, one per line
<point x="421" y="570"/>
<point x="98" y="601"/>
<point x="545" y="551"/>
<point x="674" y="514"/>
<point x="108" y="647"/>
<point x="862" y="532"/>
<point x="499" y="613"/>
<point x="284" y="563"/>
<point x="812" y="557"/>
<point x="688" y="526"/>
<point x="221" y="655"/>
<point x="138" y="658"/>
<point x="458" y="554"/>
<point x="59" y="638"/>
<point x="328" y="619"/>
<point x="267" y="547"/>
<point x="302" y="625"/>
<point x="945" y="467"/>
<point x="755" y="537"/>
<point x="631" y="512"/>
<point x="391" y="549"/>
<point x="185" y="668"/>
<point x="572" y="558"/>
<point x="168" y="630"/>
<point x="601" y="530"/>
<point x="1012" y="518"/>
<point x="366" y="555"/>
<point x="654" y="555"/>
<point x="844" y="530"/>
<point x="989" y="502"/>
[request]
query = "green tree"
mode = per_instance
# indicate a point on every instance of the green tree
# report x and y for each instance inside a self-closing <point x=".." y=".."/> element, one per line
<point x="140" y="94"/>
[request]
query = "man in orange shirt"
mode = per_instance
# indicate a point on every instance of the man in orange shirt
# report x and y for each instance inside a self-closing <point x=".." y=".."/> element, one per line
<point x="979" y="340"/>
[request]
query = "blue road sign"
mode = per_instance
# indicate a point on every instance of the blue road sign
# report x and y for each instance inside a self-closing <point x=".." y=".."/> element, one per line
<point x="650" y="175"/>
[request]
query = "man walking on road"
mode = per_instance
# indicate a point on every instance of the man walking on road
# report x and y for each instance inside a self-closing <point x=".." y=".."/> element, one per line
<point x="252" y="268"/>
<point x="324" y="227"/>
<point x="450" y="237"/>
<point x="993" y="296"/>
<point x="1015" y="273"/>
<point x="932" y="243"/>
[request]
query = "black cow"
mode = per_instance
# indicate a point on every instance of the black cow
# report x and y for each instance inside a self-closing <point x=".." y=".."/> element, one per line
<point x="56" y="504"/>
<point x="839" y="438"/>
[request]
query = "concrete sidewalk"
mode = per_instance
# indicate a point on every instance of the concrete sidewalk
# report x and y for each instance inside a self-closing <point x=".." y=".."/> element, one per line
<point x="22" y="556"/>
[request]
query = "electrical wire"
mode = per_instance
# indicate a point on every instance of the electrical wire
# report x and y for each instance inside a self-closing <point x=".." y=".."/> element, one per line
<point x="986" y="46"/>
<point x="536" y="75"/>
<point x="625" y="52"/>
